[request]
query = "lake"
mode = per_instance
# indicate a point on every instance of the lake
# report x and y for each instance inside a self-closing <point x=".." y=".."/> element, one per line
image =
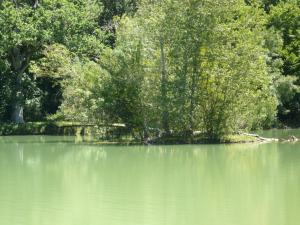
<point x="57" y="181"/>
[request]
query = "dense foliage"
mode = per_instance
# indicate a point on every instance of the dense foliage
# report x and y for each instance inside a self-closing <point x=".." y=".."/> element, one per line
<point x="285" y="19"/>
<point x="160" y="67"/>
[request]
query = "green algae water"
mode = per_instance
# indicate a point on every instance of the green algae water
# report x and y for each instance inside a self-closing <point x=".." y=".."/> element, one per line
<point x="56" y="181"/>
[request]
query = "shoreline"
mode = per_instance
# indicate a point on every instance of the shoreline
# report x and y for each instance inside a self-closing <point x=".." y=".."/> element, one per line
<point x="114" y="135"/>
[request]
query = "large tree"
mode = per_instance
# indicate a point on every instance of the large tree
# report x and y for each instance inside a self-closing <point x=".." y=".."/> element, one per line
<point x="27" y="26"/>
<point x="207" y="65"/>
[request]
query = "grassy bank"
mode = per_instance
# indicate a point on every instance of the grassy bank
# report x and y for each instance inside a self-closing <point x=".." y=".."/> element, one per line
<point x="41" y="128"/>
<point x="107" y="132"/>
<point x="110" y="134"/>
<point x="202" y="140"/>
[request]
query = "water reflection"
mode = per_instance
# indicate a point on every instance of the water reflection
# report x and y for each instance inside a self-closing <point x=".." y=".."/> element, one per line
<point x="50" y="180"/>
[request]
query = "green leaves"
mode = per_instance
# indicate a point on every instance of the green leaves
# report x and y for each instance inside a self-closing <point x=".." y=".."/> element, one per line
<point x="55" y="63"/>
<point x="284" y="19"/>
<point x="65" y="26"/>
<point x="210" y="60"/>
<point x="178" y="66"/>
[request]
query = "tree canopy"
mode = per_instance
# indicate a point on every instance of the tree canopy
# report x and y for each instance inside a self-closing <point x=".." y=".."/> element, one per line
<point x="169" y="66"/>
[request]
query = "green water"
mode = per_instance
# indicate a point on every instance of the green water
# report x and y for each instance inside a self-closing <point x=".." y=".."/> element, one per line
<point x="54" y="181"/>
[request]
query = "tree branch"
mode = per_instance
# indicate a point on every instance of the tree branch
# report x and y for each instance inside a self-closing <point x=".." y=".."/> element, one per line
<point x="36" y="4"/>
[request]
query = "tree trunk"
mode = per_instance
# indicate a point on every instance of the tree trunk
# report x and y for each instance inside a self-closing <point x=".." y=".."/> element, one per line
<point x="19" y="61"/>
<point x="17" y="114"/>
<point x="36" y="4"/>
<point x="183" y="92"/>
<point x="193" y="87"/>
<point x="164" y="80"/>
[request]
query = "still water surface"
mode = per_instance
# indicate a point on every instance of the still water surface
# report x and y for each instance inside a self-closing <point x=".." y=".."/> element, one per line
<point x="54" y="181"/>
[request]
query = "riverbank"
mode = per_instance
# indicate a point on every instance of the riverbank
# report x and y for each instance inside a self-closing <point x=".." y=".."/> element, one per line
<point x="230" y="139"/>
<point x="41" y="128"/>
<point x="118" y="134"/>
<point x="63" y="128"/>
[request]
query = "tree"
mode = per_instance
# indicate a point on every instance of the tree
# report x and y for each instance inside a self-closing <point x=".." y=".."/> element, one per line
<point x="284" y="19"/>
<point x="236" y="87"/>
<point x="5" y="92"/>
<point x="209" y="61"/>
<point x="124" y="101"/>
<point x="113" y="9"/>
<point x="26" y="26"/>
